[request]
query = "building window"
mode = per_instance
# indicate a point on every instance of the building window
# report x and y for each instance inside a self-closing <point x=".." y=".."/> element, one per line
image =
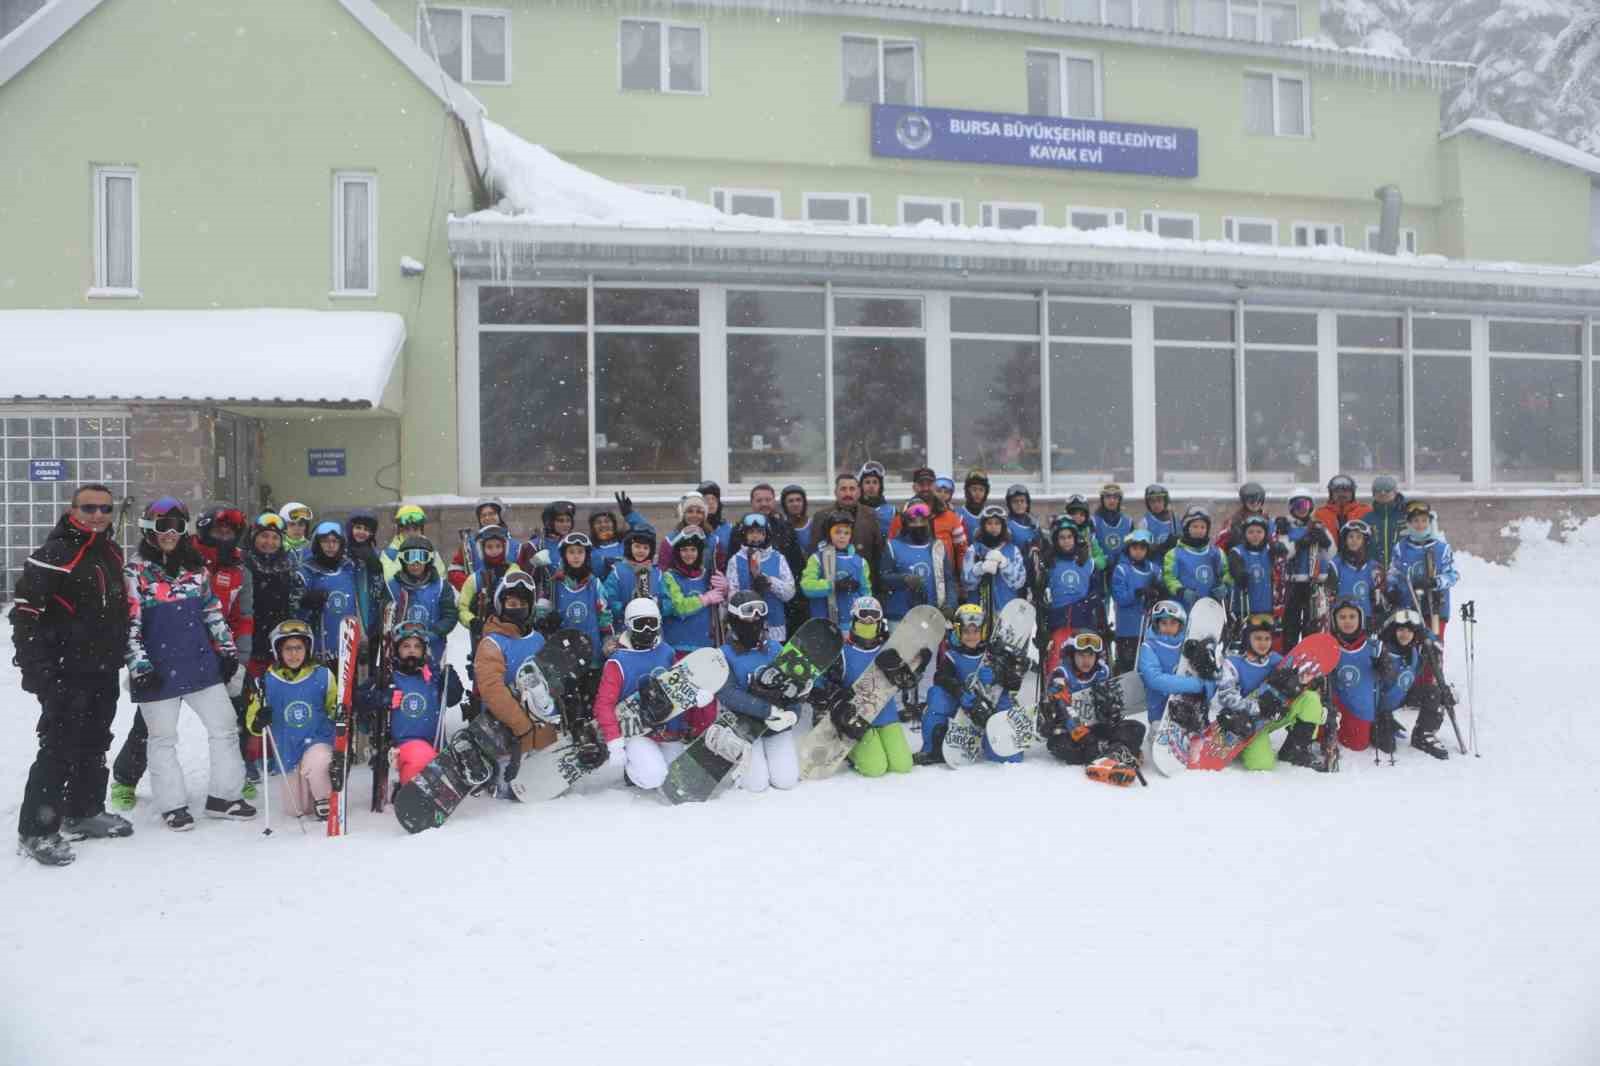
<point x="1276" y="105"/>
<point x="761" y="203"/>
<point x="1535" y="389"/>
<point x="355" y="234"/>
<point x="116" y="231"/>
<point x="1009" y="216"/>
<point x="1063" y="84"/>
<point x="1408" y="240"/>
<point x="994" y="384"/>
<point x="1144" y="14"/>
<point x="1091" y="390"/>
<point x="777" y="393"/>
<point x="880" y="381"/>
<point x="1020" y="8"/>
<point x="1249" y="20"/>
<point x="1314" y="234"/>
<point x="1280" y="382"/>
<point x="1087" y="218"/>
<point x="850" y="208"/>
<point x="1195" y="394"/>
<point x="914" y="209"/>
<point x="1371" y="393"/>
<point x="1250" y="230"/>
<point x="662" y="57"/>
<point x="533" y="373"/>
<point x="881" y="70"/>
<point x="677" y="192"/>
<point x="1442" y="409"/>
<point x="1173" y="224"/>
<point x="471" y="44"/>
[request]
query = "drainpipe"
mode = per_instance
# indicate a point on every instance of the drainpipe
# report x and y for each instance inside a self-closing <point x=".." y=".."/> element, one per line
<point x="1388" y="197"/>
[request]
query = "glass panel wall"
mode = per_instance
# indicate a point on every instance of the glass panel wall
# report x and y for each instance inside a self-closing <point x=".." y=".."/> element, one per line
<point x="777" y="400"/>
<point x="1280" y="383"/>
<point x="994" y="385"/>
<point x="1535" y="403"/>
<point x="880" y="383"/>
<point x="1371" y="394"/>
<point x="1194" y="394"/>
<point x="533" y="385"/>
<point x="647" y="385"/>
<point x="1091" y="390"/>
<point x="1441" y="373"/>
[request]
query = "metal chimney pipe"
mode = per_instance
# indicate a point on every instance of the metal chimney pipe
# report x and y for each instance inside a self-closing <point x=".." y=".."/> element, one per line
<point x="1389" y="199"/>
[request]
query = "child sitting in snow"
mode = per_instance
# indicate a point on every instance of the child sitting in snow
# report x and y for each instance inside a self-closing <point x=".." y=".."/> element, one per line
<point x="414" y="697"/>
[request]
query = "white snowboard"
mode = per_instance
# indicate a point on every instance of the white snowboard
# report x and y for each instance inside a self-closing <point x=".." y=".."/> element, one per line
<point x="1169" y="744"/>
<point x="963" y="740"/>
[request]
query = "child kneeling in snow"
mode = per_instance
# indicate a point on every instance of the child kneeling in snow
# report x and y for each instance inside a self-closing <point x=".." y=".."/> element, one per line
<point x="293" y="704"/>
<point x="1280" y="699"/>
<point x="639" y="654"/>
<point x="882" y="748"/>
<point x="1103" y="741"/>
<point x="960" y="657"/>
<point x="414" y="698"/>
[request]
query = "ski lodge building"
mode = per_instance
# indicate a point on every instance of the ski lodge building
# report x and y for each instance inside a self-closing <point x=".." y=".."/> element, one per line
<point x="272" y="252"/>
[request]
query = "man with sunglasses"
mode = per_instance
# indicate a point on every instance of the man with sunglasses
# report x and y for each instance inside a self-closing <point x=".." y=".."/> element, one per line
<point x="69" y="621"/>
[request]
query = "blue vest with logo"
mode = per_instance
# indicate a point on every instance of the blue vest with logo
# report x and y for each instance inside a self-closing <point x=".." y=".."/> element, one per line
<point x="299" y="715"/>
<point x="579" y="608"/>
<point x="340" y="585"/>
<point x="415" y="703"/>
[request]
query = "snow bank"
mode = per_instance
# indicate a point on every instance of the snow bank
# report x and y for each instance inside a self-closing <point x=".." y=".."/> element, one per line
<point x="255" y="356"/>
<point x="1422" y="912"/>
<point x="538" y="188"/>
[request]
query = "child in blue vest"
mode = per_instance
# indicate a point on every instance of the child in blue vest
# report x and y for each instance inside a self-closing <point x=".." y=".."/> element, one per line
<point x="1069" y="586"/>
<point x="1354" y="684"/>
<point x="421" y="595"/>
<point x="1159" y="655"/>
<point x="851" y="575"/>
<point x="960" y="657"/>
<point x="1135" y="587"/>
<point x="1159" y="521"/>
<point x="414" y="697"/>
<point x="639" y="654"/>
<point x="333" y="588"/>
<point x="1111" y="524"/>
<point x="635" y="574"/>
<point x="764" y="570"/>
<point x="1108" y="744"/>
<point x="1420" y="549"/>
<point x="1250" y="569"/>
<point x="1019" y="515"/>
<point x="1353" y="574"/>
<point x="1254" y="696"/>
<point x="772" y="761"/>
<point x="577" y="598"/>
<point x="916" y="566"/>
<point x="1194" y="567"/>
<point x="1408" y="680"/>
<point x="695" y="593"/>
<point x="976" y="492"/>
<point x="994" y="562"/>
<point x="882" y="748"/>
<point x="294" y="703"/>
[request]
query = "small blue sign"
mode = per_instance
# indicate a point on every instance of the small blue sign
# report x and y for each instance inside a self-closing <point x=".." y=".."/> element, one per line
<point x="1034" y="141"/>
<point x="47" y="470"/>
<point x="325" y="462"/>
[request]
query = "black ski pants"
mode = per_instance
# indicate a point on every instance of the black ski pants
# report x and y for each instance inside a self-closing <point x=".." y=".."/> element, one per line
<point x="68" y="778"/>
<point x="1127" y="649"/>
<point x="1083" y="752"/>
<point x="1296" y="612"/>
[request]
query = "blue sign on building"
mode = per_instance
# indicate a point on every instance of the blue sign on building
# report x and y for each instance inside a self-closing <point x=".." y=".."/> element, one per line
<point x="47" y="470"/>
<point x="1034" y="141"/>
<point x="325" y="462"/>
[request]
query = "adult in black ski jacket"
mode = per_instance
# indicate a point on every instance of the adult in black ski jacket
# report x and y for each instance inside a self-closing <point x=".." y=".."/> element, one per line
<point x="69" y="624"/>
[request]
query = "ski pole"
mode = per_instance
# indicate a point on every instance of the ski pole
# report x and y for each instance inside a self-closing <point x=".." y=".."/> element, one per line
<point x="266" y="782"/>
<point x="1469" y="620"/>
<point x="277" y="756"/>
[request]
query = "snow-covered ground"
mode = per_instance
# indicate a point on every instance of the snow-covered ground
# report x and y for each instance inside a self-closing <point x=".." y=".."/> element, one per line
<point x="1423" y="912"/>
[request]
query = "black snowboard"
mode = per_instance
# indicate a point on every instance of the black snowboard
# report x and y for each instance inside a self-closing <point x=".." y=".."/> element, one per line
<point x="809" y="652"/>
<point x="471" y="757"/>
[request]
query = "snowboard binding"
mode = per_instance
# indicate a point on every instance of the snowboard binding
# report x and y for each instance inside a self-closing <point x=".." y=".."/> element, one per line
<point x="1116" y="766"/>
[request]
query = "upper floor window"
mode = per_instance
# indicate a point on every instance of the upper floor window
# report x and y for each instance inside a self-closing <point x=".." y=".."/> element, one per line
<point x="1009" y="216"/>
<point x="662" y="57"/>
<point x="1182" y="224"/>
<point x="1276" y="105"/>
<point x="847" y="207"/>
<point x="914" y="209"/>
<point x="1248" y="20"/>
<point x="881" y="70"/>
<point x="1313" y="234"/>
<point x="1408" y="240"/>
<point x="1145" y="14"/>
<point x="1023" y="8"/>
<point x="116" y="232"/>
<point x="470" y="43"/>
<point x="355" y="234"/>
<point x="1064" y="84"/>
<point x="762" y="203"/>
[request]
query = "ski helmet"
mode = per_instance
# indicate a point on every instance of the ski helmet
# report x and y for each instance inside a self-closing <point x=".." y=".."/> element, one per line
<point x="1016" y="490"/>
<point x="1385" y="483"/>
<point x="1154" y="490"/>
<point x="413" y="549"/>
<point x="1252" y="492"/>
<point x="747" y="612"/>
<point x="1138" y="536"/>
<point x="166" y="514"/>
<point x="230" y="517"/>
<point x="1404" y="617"/>
<point x="948" y="484"/>
<point x="866" y="622"/>
<point x="1169" y="609"/>
<point x="1301" y="504"/>
<point x="515" y="583"/>
<point x="1258" y="521"/>
<point x="410" y="515"/>
<point x="1110" y="489"/>
<point x="1348" y="604"/>
<point x="296" y="512"/>
<point x="408" y="631"/>
<point x="709" y="488"/>
<point x="362" y="519"/>
<point x="1062" y="522"/>
<point x="1418" y="507"/>
<point x="286" y="630"/>
<point x="872" y="468"/>
<point x="327" y="529"/>
<point x="969" y="616"/>
<point x="642" y="618"/>
<point x="557" y="509"/>
<point x="1355" y="525"/>
<point x="976" y="477"/>
<point x="488" y="533"/>
<point x="1195" y="514"/>
<point x="1262" y="622"/>
<point x="1076" y="502"/>
<point x="841" y="518"/>
<point x="1341" y="483"/>
<point x="690" y="537"/>
<point x="992" y="510"/>
<point x="642" y="536"/>
<point x="494" y="504"/>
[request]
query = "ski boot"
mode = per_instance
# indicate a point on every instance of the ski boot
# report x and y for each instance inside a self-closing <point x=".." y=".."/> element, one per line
<point x="1425" y="740"/>
<point x="934" y="756"/>
<point x="234" y="810"/>
<point x="1301" y="748"/>
<point x="46" y="850"/>
<point x="1118" y="766"/>
<point x="102" y="826"/>
<point x="320" y="809"/>
<point x="122" y="798"/>
<point x="179" y="820"/>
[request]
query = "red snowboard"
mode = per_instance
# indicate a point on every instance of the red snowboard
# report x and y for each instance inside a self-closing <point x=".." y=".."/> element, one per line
<point x="1216" y="748"/>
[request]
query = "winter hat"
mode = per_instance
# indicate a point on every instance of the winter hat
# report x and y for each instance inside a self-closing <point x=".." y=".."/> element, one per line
<point x="922" y="473"/>
<point x="1385" y="483"/>
<point x="688" y="500"/>
<point x="977" y="477"/>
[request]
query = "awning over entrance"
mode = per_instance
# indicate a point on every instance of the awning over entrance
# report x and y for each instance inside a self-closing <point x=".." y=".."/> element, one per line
<point x="255" y="358"/>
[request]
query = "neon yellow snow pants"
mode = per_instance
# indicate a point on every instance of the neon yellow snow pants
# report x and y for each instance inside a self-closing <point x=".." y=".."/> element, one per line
<point x="1259" y="754"/>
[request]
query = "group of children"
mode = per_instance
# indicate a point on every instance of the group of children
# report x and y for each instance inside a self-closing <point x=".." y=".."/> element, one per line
<point x="1112" y="593"/>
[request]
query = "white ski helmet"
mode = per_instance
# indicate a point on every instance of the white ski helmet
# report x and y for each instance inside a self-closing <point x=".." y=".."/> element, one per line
<point x="642" y="619"/>
<point x="289" y="510"/>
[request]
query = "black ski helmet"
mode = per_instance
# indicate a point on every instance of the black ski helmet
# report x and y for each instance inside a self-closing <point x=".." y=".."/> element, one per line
<point x="1252" y="492"/>
<point x="1155" y="489"/>
<point x="642" y="536"/>
<point x="1195" y="514"/>
<point x="165" y="514"/>
<point x="1341" y="481"/>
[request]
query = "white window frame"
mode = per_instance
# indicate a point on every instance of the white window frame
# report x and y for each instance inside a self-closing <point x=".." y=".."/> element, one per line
<point x="1231" y="223"/>
<point x="881" y="42"/>
<point x="101" y="289"/>
<point x="466" y="38"/>
<point x="722" y="195"/>
<point x="1277" y="118"/>
<point x="676" y="191"/>
<point x="989" y="209"/>
<point x="859" y="202"/>
<point x="1116" y="217"/>
<point x="1335" y="230"/>
<point x="341" y="179"/>
<point x="664" y="73"/>
<point x="1408" y="239"/>
<point x="1061" y="56"/>
<point x="949" y="208"/>
<point x="1151" y="221"/>
<point x="1261" y="19"/>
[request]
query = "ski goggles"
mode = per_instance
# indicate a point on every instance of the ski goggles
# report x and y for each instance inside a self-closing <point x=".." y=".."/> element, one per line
<point x="579" y="540"/>
<point x="270" y="521"/>
<point x="753" y="611"/>
<point x="300" y="514"/>
<point x="1168" y="609"/>
<point x="1087" y="642"/>
<point x="870" y="615"/>
<point x="647" y="624"/>
<point x="167" y="523"/>
<point x="291" y="629"/>
<point x="870" y="470"/>
<point x="1407" y="617"/>
<point x="919" y="510"/>
<point x="1300" y="505"/>
<point x="969" y="614"/>
<point x="414" y="555"/>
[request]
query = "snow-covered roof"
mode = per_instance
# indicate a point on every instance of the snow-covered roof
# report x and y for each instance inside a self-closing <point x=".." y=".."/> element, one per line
<point x="267" y="356"/>
<point x="1529" y="141"/>
<point x="545" y="197"/>
<point x="52" y="22"/>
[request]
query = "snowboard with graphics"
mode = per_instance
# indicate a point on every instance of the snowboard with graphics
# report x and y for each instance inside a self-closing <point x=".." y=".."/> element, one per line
<point x="551" y="685"/>
<point x="550" y="772"/>
<point x="708" y="760"/>
<point x="1216" y="747"/>
<point x="1184" y="716"/>
<point x="897" y="667"/>
<point x="1006" y="652"/>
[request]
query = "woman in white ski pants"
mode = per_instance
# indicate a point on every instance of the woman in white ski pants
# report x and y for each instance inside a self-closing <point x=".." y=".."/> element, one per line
<point x="222" y="732"/>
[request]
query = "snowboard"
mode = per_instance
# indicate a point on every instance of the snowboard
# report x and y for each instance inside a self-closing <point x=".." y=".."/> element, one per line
<point x="897" y="667"/>
<point x="1216" y="747"/>
<point x="472" y="755"/>
<point x="1018" y="729"/>
<point x="695" y="774"/>
<point x="1012" y="637"/>
<point x="549" y="772"/>
<point x="1169" y="744"/>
